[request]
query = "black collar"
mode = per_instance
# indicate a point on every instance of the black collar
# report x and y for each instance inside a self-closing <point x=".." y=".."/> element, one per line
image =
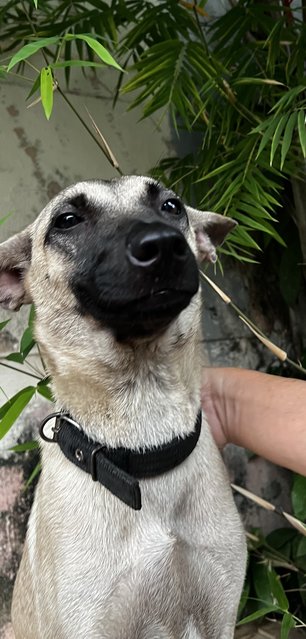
<point x="118" y="469"/>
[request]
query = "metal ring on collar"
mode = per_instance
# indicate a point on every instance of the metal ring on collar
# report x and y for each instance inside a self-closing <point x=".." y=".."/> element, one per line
<point x="54" y="428"/>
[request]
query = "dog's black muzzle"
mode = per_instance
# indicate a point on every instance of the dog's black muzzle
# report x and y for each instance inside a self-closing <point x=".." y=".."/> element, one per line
<point x="140" y="280"/>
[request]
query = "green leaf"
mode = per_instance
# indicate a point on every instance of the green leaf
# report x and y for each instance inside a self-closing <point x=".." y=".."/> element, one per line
<point x="3" y="219"/>
<point x="27" y="342"/>
<point x="29" y="49"/>
<point x="5" y="407"/>
<point x="288" y="136"/>
<point x="17" y="404"/>
<point x="268" y="586"/>
<point x="262" y="612"/>
<point x="35" y="3"/>
<point x="46" y="90"/>
<point x="244" y="597"/>
<point x="76" y="63"/>
<point x="260" y="226"/>
<point x="34" y="474"/>
<point x="287" y="624"/>
<point x="302" y="131"/>
<point x="277" y="136"/>
<point x="277" y="589"/>
<point x="22" y="448"/>
<point x="298" y="497"/>
<point x="269" y="129"/>
<point x="3" y="324"/>
<point x="45" y="390"/>
<point x="98" y="48"/>
<point x="35" y="87"/>
<point x="31" y="318"/>
<point x="15" y="357"/>
<point x="300" y="558"/>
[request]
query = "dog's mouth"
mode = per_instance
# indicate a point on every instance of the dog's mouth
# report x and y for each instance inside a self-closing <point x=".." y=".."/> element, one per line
<point x="139" y="317"/>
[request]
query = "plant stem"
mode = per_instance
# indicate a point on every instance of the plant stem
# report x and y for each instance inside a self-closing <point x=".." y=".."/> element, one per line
<point x="258" y="332"/>
<point x="200" y="30"/>
<point x="19" y="370"/>
<point x="64" y="96"/>
<point x="86" y="127"/>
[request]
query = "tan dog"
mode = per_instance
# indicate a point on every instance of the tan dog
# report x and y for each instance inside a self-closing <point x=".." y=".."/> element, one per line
<point x="111" y="270"/>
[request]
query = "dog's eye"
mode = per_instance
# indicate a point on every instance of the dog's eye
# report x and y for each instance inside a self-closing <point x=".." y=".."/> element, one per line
<point x="172" y="206"/>
<point x="67" y="220"/>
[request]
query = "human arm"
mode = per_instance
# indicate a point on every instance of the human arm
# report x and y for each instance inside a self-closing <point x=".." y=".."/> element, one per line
<point x="264" y="413"/>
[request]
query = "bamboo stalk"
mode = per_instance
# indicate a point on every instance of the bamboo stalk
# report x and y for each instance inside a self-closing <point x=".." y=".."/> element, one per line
<point x="276" y="350"/>
<point x="263" y="503"/>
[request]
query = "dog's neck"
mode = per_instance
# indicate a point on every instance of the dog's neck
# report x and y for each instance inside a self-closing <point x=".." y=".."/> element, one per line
<point x="147" y="401"/>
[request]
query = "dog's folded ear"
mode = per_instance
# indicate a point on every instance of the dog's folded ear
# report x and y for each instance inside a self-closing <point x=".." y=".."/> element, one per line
<point x="15" y="258"/>
<point x="211" y="230"/>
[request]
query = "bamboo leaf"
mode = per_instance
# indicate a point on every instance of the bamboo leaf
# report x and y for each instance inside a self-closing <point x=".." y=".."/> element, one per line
<point x="257" y="81"/>
<point x="277" y="589"/>
<point x="287" y="624"/>
<point x="22" y="448"/>
<point x="288" y="136"/>
<point x="302" y="131"/>
<point x="277" y="136"/>
<point x="98" y="48"/>
<point x="3" y="324"/>
<point x="298" y="497"/>
<point x="15" y="357"/>
<point x="76" y="63"/>
<point x="44" y="389"/>
<point x="262" y="612"/>
<point x="17" y="404"/>
<point x="220" y="169"/>
<point x="34" y="474"/>
<point x="260" y="226"/>
<point x="46" y="90"/>
<point x="27" y="342"/>
<point x="29" y="49"/>
<point x="269" y="131"/>
<point x="34" y="88"/>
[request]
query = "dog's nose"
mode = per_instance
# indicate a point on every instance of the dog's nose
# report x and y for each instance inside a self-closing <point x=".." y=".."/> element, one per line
<point x="149" y="244"/>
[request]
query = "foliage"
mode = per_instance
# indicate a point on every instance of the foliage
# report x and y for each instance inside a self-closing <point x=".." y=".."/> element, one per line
<point x="236" y="84"/>
<point x="276" y="579"/>
<point x="13" y="407"/>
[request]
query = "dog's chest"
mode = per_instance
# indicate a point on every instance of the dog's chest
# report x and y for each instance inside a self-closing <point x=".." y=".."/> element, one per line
<point x="167" y="563"/>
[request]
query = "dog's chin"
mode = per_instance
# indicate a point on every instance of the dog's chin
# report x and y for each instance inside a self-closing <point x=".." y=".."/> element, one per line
<point x="140" y="318"/>
<point x="149" y="316"/>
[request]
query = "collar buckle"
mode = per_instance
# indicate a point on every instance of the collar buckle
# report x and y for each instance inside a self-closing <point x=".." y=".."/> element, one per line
<point x="55" y="428"/>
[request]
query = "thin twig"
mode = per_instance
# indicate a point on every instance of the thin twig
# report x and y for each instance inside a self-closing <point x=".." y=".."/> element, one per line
<point x="278" y="352"/>
<point x="263" y="503"/>
<point x="19" y="370"/>
<point x="107" y="150"/>
<point x="195" y="10"/>
<point x="84" y="124"/>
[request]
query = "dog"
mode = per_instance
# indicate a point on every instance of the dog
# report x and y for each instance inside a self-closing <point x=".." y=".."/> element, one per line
<point x="133" y="533"/>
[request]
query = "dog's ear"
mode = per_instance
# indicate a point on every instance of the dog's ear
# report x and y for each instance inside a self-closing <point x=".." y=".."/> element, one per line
<point x="15" y="258"/>
<point x="211" y="230"/>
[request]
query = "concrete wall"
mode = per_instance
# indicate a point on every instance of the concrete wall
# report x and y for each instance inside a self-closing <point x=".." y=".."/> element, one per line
<point x="38" y="159"/>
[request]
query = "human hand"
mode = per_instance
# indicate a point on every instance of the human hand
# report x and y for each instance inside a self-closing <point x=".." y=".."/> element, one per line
<point x="214" y="404"/>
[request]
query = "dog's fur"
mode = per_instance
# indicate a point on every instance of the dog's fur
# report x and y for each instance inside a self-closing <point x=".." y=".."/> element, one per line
<point x="92" y="567"/>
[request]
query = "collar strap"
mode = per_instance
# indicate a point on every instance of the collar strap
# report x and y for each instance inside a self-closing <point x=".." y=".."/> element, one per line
<point x="118" y="469"/>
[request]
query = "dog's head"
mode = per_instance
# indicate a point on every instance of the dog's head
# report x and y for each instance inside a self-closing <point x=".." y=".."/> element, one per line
<point x="120" y="254"/>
